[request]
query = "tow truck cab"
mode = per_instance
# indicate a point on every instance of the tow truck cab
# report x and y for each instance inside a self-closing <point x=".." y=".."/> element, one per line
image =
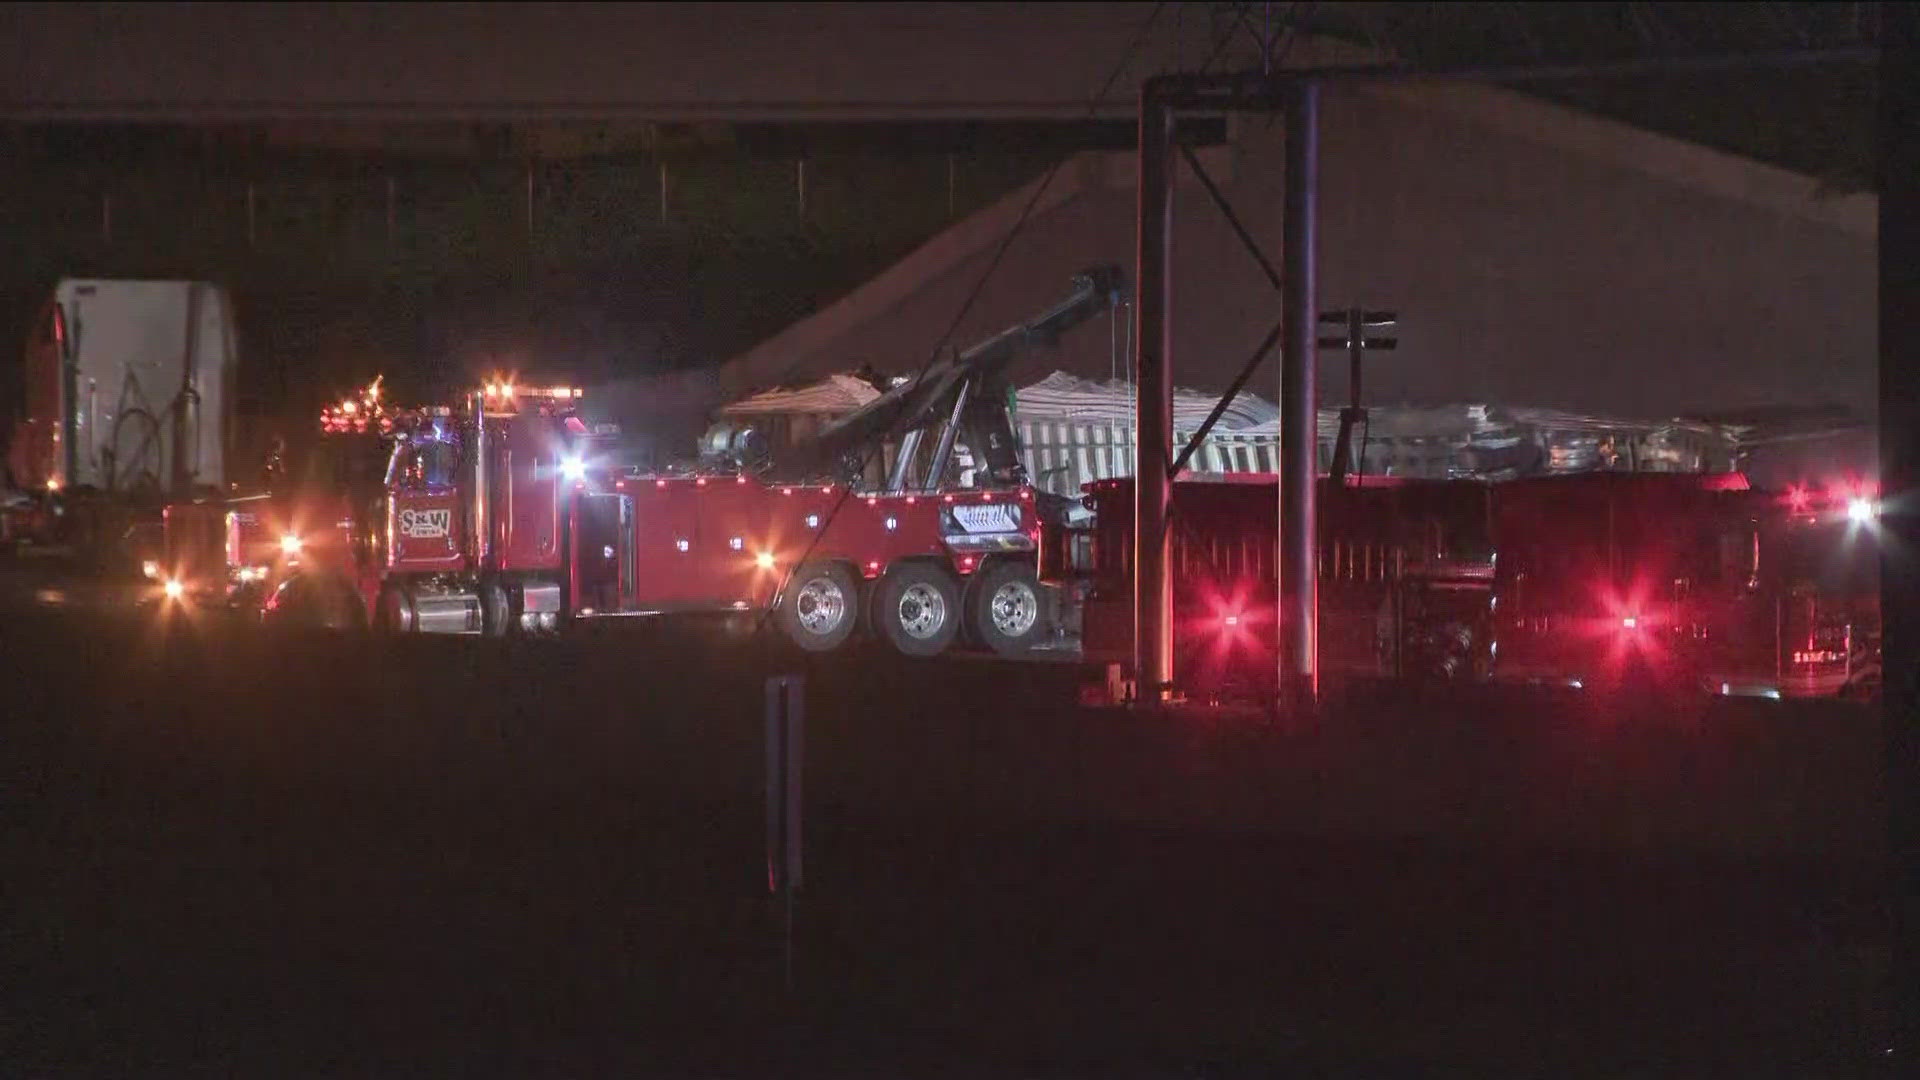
<point x="471" y="533"/>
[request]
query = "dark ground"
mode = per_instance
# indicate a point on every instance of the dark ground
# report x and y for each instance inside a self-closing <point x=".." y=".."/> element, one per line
<point x="234" y="854"/>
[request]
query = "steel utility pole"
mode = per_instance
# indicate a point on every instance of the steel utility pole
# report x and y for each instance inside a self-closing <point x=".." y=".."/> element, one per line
<point x="1357" y="344"/>
<point x="1299" y="403"/>
<point x="1153" y="480"/>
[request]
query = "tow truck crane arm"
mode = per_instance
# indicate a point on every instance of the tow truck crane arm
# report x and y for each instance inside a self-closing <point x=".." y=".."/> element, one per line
<point x="967" y="390"/>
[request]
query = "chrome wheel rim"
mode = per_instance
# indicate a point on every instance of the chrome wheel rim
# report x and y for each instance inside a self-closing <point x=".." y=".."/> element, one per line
<point x="1014" y="609"/>
<point x="922" y="611"/>
<point x="820" y="606"/>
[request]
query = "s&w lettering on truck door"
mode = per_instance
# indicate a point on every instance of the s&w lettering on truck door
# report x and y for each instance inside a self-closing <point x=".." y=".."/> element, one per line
<point x="418" y="524"/>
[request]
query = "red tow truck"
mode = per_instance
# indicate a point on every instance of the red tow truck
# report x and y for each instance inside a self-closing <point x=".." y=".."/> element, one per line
<point x="501" y="518"/>
<point x="508" y="515"/>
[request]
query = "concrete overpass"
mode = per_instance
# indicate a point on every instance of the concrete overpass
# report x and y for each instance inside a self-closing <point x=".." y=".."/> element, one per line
<point x="224" y="62"/>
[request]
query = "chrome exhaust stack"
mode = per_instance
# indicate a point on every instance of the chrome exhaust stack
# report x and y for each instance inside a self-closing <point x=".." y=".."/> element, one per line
<point x="479" y="528"/>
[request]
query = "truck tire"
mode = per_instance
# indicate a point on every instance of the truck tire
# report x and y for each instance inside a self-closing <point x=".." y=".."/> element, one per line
<point x="821" y="607"/>
<point x="394" y="613"/>
<point x="496" y="612"/>
<point x="917" y="609"/>
<point x="1008" y="609"/>
<point x="315" y="605"/>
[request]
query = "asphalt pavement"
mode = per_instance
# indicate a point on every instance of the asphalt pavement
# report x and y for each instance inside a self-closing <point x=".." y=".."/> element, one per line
<point x="231" y="852"/>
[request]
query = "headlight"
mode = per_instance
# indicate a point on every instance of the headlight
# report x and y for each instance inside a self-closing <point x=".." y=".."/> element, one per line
<point x="573" y="469"/>
<point x="173" y="589"/>
<point x="150" y="569"/>
<point x="290" y="544"/>
<point x="1861" y="510"/>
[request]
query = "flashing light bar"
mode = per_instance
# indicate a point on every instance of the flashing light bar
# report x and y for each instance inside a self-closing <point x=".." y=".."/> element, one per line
<point x="509" y="391"/>
<point x="1857" y="500"/>
<point x="357" y="414"/>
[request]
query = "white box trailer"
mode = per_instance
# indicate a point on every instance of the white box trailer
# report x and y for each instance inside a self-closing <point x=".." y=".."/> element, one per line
<point x="129" y="389"/>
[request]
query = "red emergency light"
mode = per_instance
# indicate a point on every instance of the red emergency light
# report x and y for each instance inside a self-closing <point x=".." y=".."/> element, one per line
<point x="1231" y="621"/>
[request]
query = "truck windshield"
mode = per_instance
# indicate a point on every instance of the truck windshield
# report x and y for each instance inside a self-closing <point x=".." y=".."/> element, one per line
<point x="427" y="462"/>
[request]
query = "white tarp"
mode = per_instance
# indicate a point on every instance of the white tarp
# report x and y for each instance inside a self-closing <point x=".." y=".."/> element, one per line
<point x="834" y="395"/>
<point x="1064" y="398"/>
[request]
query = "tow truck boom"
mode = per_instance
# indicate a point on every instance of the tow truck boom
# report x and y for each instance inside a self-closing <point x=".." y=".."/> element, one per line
<point x="967" y="390"/>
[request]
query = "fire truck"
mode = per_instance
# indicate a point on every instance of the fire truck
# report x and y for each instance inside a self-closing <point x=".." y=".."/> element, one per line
<point x="1688" y="583"/>
<point x="1614" y="579"/>
<point x="1674" y="583"/>
<point x="1813" y="627"/>
<point x="507" y="515"/>
<point x="1404" y="578"/>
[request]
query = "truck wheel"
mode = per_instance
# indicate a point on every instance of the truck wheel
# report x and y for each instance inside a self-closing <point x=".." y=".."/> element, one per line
<point x="394" y="615"/>
<point x="820" y="607"/>
<point x="496" y="614"/>
<point x="917" y="609"/>
<point x="1007" y="609"/>
<point x="315" y="605"/>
